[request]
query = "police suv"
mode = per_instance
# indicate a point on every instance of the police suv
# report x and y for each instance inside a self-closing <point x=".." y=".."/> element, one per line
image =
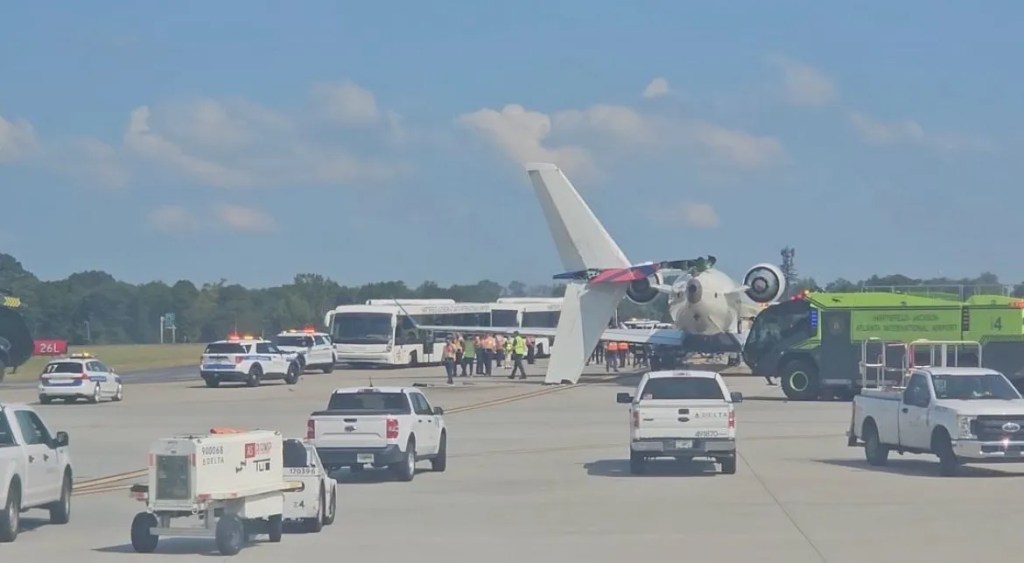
<point x="315" y="349"/>
<point x="79" y="376"/>
<point x="247" y="360"/>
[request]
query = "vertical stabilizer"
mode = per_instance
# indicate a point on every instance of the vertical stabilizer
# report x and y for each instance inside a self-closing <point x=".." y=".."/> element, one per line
<point x="581" y="240"/>
<point x="584" y="317"/>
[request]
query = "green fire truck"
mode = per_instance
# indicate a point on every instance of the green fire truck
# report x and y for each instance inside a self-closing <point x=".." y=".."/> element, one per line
<point x="814" y="342"/>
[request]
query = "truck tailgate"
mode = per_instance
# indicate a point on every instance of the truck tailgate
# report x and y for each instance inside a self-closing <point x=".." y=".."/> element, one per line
<point x="676" y="419"/>
<point x="333" y="429"/>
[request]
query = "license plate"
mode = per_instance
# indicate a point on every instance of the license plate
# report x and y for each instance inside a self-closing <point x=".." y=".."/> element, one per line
<point x="684" y="444"/>
<point x="364" y="458"/>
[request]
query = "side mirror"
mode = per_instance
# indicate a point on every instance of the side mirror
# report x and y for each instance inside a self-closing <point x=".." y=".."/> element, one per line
<point x="61" y="439"/>
<point x="623" y="398"/>
<point x="736" y="397"/>
<point x="438" y="411"/>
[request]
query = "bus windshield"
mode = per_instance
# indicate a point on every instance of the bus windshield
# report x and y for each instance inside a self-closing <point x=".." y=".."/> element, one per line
<point x="362" y="328"/>
<point x="968" y="387"/>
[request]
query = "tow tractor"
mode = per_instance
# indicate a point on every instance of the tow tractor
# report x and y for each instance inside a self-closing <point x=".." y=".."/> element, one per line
<point x="231" y="480"/>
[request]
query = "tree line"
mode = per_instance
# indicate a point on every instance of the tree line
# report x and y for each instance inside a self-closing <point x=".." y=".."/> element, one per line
<point x="93" y="307"/>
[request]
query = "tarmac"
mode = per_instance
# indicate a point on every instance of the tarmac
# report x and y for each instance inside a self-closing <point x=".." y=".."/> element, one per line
<point x="540" y="473"/>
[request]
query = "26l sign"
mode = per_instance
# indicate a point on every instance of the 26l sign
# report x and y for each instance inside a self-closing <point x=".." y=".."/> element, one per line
<point x="50" y="347"/>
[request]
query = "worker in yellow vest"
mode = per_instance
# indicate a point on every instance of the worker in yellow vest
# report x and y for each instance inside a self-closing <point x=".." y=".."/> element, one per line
<point x="518" y="345"/>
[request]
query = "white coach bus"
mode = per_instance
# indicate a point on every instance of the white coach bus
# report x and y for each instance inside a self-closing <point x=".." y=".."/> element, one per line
<point x="529" y="312"/>
<point x="381" y="333"/>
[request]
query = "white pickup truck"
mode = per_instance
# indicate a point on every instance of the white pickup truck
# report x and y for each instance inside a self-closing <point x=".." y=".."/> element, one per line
<point x="682" y="414"/>
<point x="35" y="469"/>
<point x="960" y="414"/>
<point x="391" y="427"/>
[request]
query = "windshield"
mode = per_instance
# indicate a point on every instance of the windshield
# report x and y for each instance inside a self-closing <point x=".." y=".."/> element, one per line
<point x="294" y="341"/>
<point x="64" y="367"/>
<point x="782" y="324"/>
<point x="225" y="348"/>
<point x="972" y="387"/>
<point x="682" y="388"/>
<point x="362" y="328"/>
<point x="393" y="403"/>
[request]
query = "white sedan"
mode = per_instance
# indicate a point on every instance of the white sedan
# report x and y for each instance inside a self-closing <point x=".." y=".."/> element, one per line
<point x="79" y="376"/>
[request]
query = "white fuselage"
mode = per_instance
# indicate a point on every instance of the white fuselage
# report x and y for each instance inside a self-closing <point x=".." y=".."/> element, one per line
<point x="703" y="304"/>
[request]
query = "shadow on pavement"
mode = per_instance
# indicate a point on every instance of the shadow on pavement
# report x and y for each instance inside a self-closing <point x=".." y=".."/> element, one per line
<point x="654" y="468"/>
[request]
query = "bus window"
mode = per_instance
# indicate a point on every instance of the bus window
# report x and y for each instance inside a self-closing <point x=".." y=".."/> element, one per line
<point x="361" y="328"/>
<point x="504" y="317"/>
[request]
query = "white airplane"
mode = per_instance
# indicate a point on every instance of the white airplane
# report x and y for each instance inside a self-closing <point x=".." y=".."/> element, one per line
<point x="705" y="304"/>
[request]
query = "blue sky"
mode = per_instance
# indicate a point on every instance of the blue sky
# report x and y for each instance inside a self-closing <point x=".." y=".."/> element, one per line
<point x="253" y="140"/>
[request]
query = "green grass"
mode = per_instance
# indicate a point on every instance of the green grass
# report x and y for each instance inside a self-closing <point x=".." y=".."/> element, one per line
<point x="122" y="358"/>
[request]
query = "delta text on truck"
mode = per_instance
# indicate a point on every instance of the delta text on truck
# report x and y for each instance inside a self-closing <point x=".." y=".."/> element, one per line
<point x="815" y="342"/>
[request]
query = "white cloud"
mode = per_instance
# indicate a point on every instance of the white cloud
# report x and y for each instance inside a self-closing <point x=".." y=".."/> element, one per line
<point x="237" y="143"/>
<point x="910" y="132"/>
<point x="805" y="85"/>
<point x="585" y="135"/>
<point x="346" y="103"/>
<point x="657" y="87"/>
<point x="520" y="134"/>
<point x="173" y="219"/>
<point x="689" y="214"/>
<point x="246" y="219"/>
<point x="18" y="140"/>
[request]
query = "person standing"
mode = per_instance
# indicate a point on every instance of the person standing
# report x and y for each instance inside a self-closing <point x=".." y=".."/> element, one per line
<point x="469" y="355"/>
<point x="531" y="350"/>
<point x="448" y="359"/>
<point x="611" y="353"/>
<point x="518" y="349"/>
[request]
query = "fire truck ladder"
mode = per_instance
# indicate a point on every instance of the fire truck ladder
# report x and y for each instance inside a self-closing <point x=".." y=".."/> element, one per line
<point x="875" y="371"/>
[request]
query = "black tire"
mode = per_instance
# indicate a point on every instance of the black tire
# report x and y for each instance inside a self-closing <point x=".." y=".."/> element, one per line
<point x="275" y="528"/>
<point x="440" y="462"/>
<point x="95" y="397"/>
<point x="212" y="382"/>
<point x="637" y="463"/>
<point x="60" y="511"/>
<point x="3" y="369"/>
<point x="143" y="540"/>
<point x="230" y="534"/>
<point x="255" y="374"/>
<point x="942" y="446"/>
<point x="330" y="368"/>
<point x="875" y="452"/>
<point x="292" y="377"/>
<point x="406" y="469"/>
<point x="10" y="518"/>
<point x="316" y="523"/>
<point x="414" y="359"/>
<point x="728" y="465"/>
<point x="332" y="512"/>
<point x="800" y="380"/>
<point x="44" y="400"/>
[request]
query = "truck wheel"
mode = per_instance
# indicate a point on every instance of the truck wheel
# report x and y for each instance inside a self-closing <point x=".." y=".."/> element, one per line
<point x="60" y="511"/>
<point x="212" y="382"/>
<point x="406" y="469"/>
<point x="292" y="377"/>
<point x="440" y="463"/>
<point x="800" y="380"/>
<point x="95" y="398"/>
<point x="316" y="523"/>
<point x="10" y="518"/>
<point x="943" y="447"/>
<point x="275" y="528"/>
<point x="330" y="367"/>
<point x="332" y="509"/>
<point x="255" y="373"/>
<point x="874" y="451"/>
<point x="143" y="540"/>
<point x="637" y="463"/>
<point x="728" y="465"/>
<point x="230" y="534"/>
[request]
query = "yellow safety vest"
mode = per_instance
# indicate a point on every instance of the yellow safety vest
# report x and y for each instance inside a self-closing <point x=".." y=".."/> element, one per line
<point x="519" y="345"/>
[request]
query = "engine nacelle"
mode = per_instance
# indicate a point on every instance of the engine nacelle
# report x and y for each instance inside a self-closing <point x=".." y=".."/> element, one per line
<point x="765" y="283"/>
<point x="640" y="291"/>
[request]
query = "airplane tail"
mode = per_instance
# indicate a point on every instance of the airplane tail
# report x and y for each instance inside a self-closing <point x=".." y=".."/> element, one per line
<point x="587" y="252"/>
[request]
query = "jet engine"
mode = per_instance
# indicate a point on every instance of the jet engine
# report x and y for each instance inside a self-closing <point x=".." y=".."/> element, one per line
<point x="640" y="291"/>
<point x="765" y="283"/>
